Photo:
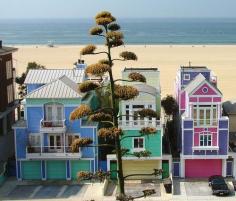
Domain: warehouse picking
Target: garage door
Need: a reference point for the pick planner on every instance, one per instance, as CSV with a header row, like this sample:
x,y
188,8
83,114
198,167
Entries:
x,y
140,167
31,169
202,168
56,170
81,165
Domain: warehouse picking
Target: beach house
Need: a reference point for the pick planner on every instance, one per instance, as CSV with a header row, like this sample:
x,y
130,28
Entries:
x,y
8,104
43,138
204,132
149,97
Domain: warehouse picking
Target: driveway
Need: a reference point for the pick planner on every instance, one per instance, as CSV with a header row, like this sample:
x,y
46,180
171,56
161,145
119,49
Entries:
x,y
24,192
135,189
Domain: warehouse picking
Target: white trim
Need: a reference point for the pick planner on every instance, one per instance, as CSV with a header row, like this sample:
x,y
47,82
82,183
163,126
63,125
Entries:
x,y
209,85
184,76
139,148
204,156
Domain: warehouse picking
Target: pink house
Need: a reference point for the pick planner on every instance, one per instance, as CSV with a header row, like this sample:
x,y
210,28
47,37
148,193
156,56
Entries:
x,y
204,131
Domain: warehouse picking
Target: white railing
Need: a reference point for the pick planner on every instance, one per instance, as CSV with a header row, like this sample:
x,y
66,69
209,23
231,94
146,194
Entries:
x,y
55,123
211,148
51,152
140,123
53,126
205,122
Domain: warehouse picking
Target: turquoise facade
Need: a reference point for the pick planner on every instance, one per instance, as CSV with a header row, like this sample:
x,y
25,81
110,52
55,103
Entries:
x,y
152,142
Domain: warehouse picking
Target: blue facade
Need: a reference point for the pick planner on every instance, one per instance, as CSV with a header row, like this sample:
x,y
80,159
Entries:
x,y
42,154
192,74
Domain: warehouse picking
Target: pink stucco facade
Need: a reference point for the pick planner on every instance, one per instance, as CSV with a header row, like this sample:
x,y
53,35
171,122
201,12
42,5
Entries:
x,y
210,90
197,132
194,167
183,100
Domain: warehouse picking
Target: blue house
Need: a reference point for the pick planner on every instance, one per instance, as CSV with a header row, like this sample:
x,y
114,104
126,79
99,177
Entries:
x,y
43,138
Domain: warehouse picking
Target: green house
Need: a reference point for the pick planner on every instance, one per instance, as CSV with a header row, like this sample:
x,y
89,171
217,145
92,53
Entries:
x,y
149,97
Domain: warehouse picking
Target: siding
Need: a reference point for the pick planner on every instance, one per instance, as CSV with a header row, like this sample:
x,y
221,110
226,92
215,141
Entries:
x,y
152,142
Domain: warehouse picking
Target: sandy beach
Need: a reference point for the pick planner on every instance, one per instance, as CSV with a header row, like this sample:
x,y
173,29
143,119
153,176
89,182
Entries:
x,y
220,58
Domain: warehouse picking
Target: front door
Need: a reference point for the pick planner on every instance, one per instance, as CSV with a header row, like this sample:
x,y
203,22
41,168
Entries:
x,y
55,142
54,113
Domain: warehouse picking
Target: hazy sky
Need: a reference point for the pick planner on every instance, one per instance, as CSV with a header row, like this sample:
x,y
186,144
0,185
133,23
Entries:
x,y
119,8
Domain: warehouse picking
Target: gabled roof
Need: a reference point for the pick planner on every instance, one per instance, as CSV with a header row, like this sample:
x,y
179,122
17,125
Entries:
x,y
146,88
44,76
62,87
198,81
194,83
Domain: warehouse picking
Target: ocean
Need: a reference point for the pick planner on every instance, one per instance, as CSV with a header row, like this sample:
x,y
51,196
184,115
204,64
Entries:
x,y
136,31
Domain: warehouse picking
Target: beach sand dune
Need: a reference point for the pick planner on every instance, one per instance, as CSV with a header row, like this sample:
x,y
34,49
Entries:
x,y
220,58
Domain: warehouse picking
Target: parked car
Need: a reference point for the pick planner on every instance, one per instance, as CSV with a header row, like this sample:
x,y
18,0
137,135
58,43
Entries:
x,y
234,184
219,186
214,177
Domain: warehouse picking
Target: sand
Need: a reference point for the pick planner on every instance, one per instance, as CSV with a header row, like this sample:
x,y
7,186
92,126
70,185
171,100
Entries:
x,y
168,58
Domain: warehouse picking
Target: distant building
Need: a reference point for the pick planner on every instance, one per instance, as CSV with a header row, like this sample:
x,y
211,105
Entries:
x,y
149,97
8,104
203,137
43,139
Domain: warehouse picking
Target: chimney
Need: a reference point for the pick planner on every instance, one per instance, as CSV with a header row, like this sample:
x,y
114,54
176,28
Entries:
x,y
0,44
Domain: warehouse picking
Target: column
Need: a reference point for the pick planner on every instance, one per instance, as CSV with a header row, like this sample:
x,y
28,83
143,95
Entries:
x,y
224,167
182,168
41,143
64,138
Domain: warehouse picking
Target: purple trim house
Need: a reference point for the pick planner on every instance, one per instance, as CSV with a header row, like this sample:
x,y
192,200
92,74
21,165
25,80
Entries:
x,y
204,131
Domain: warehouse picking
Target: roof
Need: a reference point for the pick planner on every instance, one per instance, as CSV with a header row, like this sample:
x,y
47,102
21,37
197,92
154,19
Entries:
x,y
230,107
195,83
146,88
140,69
5,50
199,79
194,68
44,76
62,87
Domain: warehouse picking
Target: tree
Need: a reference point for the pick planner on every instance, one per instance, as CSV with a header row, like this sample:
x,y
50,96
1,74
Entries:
x,y
21,79
170,105
107,28
171,125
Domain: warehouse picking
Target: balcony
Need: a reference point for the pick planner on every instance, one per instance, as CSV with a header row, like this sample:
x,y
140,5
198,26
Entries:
x,y
205,122
137,124
205,148
58,126
49,152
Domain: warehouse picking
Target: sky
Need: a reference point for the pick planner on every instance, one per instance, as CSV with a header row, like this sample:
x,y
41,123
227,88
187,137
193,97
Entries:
x,y
120,8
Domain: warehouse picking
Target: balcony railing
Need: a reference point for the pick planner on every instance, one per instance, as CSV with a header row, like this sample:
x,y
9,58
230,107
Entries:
x,y
134,124
205,148
52,126
205,122
51,152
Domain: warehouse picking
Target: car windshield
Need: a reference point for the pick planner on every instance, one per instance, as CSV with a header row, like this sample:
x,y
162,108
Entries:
x,y
218,181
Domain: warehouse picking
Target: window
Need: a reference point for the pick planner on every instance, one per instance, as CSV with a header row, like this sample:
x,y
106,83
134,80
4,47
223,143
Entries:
x,y
138,143
205,139
34,139
9,69
10,93
186,76
204,115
